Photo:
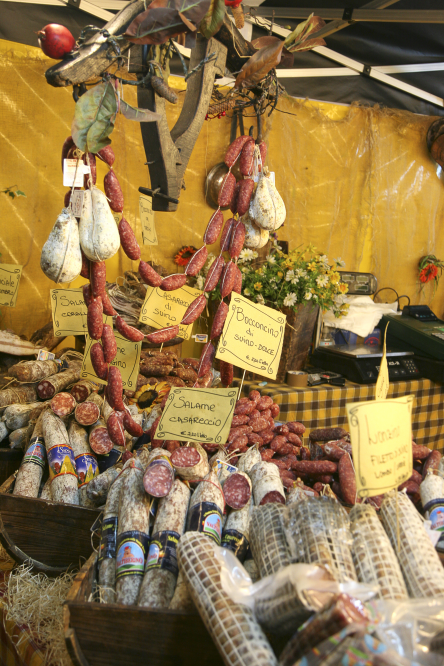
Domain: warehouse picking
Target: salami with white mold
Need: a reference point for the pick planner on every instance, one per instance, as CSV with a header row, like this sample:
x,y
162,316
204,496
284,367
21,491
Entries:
x,y
237,490
30,474
98,488
267,484
108,542
63,404
206,508
86,462
190,462
47,388
158,478
236,532
62,467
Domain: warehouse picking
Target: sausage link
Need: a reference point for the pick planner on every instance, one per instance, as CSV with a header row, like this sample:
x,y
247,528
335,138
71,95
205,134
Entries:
x,y
149,275
254,395
94,318
432,462
264,403
187,374
226,374
214,274
420,452
296,427
128,332
85,263
108,343
263,151
86,290
113,191
115,389
155,369
98,360
226,191
246,158
225,238
194,310
237,432
163,334
235,149
128,241
279,430
227,280
244,408
206,381
107,155
239,444
237,284
237,240
274,409
172,282
246,188
131,425
206,359
326,434
315,467
107,307
239,420
197,261
233,204
219,320
411,486
347,479
333,452
115,429
258,424
97,277
213,228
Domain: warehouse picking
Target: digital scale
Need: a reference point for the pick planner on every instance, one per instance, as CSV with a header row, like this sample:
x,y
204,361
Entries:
x,y
361,363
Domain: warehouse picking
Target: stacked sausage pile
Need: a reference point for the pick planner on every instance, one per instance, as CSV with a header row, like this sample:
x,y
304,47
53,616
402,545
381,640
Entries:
x,y
165,366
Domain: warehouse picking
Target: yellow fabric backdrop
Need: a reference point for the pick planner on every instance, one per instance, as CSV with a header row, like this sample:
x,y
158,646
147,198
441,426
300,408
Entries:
x,y
357,182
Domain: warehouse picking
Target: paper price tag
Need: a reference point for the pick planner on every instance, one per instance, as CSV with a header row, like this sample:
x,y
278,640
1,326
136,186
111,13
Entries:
x,y
381,437
127,360
45,355
10,275
149,235
77,202
71,170
201,337
167,308
197,415
252,337
69,312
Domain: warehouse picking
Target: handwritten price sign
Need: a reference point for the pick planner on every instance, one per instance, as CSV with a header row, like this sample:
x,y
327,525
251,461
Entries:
x,y
10,275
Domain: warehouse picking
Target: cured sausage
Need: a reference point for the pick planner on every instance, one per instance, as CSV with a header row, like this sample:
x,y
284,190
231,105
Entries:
x,y
63,404
107,155
191,462
128,241
258,424
244,408
128,332
214,274
347,479
237,432
295,427
97,489
263,152
207,507
235,149
227,279
81,390
206,359
161,571
115,389
267,538
107,307
86,462
326,434
194,310
98,361
246,188
163,334
226,191
197,261
149,275
109,343
97,278
315,467
62,467
219,320
99,439
18,416
172,282
420,452
213,228
226,373
233,204
158,478
431,462
237,239
87,413
131,426
132,536
187,374
237,284
247,158
108,538
33,371
113,191
267,484
30,474
237,490
236,531
47,388
115,429
265,402
94,318
225,238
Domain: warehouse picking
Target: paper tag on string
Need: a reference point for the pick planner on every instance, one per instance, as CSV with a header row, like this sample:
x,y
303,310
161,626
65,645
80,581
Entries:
x,y
381,438
382,383
69,171
69,312
10,275
201,337
149,235
77,202
167,308
45,355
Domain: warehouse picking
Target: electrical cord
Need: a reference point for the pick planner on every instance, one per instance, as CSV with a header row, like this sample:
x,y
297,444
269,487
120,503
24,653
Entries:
x,y
398,298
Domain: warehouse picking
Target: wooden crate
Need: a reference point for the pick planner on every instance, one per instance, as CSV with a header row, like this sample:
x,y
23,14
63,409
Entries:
x,y
10,460
112,634
53,537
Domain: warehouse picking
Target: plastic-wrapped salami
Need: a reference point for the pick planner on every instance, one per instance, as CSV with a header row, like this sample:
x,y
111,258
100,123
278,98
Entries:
x,y
132,536
267,484
233,628
62,466
190,462
158,477
161,571
29,476
267,539
236,532
47,388
86,462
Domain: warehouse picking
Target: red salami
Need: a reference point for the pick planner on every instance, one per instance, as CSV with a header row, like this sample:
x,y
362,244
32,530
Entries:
x,y
115,429
158,478
219,320
272,497
128,240
99,440
237,490
243,198
81,390
206,359
194,310
214,227
185,457
237,239
128,332
63,404
227,280
115,389
197,261
97,278
107,307
235,148
131,426
113,191
163,334
149,275
109,343
94,318
246,158
214,274
172,282
87,413
225,239
98,361
226,373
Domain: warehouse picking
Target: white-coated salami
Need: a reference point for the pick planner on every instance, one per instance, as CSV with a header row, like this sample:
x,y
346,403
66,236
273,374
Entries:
x,y
18,416
160,577
249,459
158,478
46,491
29,476
62,467
237,490
267,484
236,532
86,462
191,462
98,488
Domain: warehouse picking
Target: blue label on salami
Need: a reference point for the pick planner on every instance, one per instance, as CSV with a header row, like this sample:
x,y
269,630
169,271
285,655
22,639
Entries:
x,y
107,549
86,468
236,542
61,461
206,517
162,553
132,548
108,459
36,452
434,511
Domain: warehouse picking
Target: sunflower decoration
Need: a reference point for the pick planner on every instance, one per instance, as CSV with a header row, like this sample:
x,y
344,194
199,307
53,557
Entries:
x,y
149,395
184,255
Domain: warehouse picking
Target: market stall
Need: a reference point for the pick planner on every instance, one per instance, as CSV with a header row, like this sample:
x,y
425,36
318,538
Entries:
x,y
184,502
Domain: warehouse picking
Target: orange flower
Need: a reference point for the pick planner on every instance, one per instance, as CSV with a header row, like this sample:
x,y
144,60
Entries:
x,y
184,255
428,273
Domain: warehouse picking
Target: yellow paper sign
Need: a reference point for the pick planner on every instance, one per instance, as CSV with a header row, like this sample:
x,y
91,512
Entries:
x,y
252,337
127,360
197,415
10,275
167,308
382,383
149,235
69,312
381,437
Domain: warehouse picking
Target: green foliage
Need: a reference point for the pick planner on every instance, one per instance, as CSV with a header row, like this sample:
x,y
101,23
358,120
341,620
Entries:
x,y
11,192
94,118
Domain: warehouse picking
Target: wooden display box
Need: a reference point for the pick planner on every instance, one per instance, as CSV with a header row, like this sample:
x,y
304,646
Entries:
x,y
52,537
113,634
10,460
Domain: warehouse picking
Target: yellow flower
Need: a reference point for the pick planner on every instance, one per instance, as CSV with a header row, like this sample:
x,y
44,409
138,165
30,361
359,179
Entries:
x,y
259,271
288,263
280,274
343,288
311,266
258,286
334,277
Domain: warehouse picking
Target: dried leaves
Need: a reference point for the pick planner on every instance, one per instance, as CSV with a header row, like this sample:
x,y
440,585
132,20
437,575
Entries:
x,y
298,39
166,18
260,63
213,19
94,118
140,115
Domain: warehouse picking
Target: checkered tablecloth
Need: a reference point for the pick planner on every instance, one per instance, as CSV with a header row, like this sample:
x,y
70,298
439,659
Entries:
x,y
324,406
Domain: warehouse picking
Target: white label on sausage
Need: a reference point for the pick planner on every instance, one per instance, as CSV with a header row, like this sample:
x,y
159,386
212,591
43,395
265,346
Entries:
x,y
70,169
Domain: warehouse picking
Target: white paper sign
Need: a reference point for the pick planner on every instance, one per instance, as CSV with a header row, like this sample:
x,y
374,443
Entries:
x,y
71,170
